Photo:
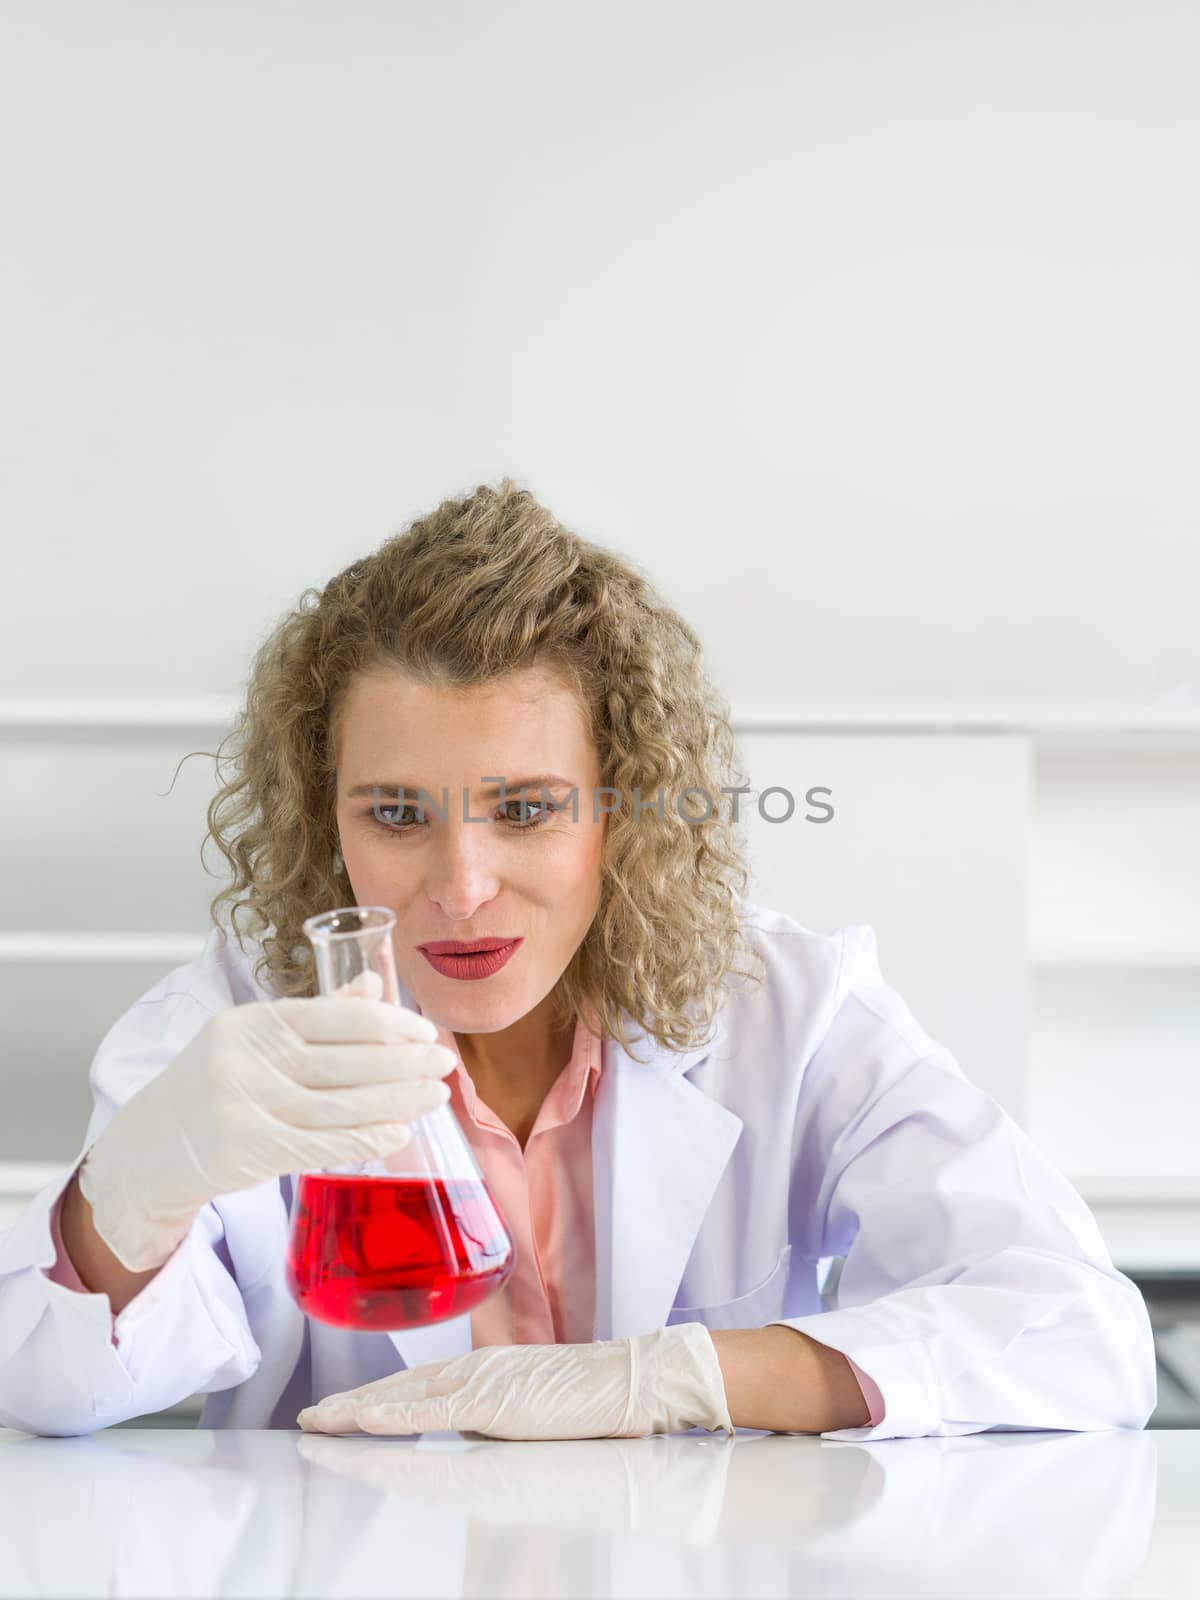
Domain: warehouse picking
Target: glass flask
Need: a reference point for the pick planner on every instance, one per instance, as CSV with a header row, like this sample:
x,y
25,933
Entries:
x,y
405,1239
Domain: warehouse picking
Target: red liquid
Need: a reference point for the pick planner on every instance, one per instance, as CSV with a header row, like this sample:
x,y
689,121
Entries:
x,y
379,1253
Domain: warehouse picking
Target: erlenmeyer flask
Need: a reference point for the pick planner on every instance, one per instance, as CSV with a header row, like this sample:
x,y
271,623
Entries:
x,y
409,1238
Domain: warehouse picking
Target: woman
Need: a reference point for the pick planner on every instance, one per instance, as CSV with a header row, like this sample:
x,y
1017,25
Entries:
x,y
685,1104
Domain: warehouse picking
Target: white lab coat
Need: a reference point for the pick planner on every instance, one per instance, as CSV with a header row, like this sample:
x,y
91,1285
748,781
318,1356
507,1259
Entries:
x,y
820,1123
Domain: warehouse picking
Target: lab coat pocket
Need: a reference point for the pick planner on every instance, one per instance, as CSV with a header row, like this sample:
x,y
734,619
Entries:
x,y
751,1310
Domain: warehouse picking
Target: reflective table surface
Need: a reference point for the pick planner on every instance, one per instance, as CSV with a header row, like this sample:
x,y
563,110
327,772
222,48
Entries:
x,y
165,1512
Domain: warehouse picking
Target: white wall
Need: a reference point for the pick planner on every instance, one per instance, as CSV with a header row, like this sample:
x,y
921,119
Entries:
x,y
871,329
928,845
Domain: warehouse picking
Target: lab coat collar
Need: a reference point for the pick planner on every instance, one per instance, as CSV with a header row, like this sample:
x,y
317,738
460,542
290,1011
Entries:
x,y
659,1147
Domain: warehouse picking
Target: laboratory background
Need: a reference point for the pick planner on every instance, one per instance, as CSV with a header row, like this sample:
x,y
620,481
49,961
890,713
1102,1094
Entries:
x,y
870,331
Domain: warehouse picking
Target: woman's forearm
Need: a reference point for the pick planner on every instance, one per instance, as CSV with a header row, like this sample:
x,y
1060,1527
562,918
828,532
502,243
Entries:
x,y
95,1263
778,1378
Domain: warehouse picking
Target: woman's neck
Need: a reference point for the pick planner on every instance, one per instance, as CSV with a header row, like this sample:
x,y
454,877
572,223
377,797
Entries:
x,y
521,1060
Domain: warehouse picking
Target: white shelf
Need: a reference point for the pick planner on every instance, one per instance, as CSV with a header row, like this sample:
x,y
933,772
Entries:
x,y
21,1180
1150,1238
1082,958
1142,1189
169,947
130,711
1169,716
1037,718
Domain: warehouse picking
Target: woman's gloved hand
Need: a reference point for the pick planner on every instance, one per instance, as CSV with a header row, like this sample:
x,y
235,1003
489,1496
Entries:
x,y
661,1382
266,1088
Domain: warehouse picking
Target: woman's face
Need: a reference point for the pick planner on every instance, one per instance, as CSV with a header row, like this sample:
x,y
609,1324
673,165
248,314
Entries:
x,y
523,872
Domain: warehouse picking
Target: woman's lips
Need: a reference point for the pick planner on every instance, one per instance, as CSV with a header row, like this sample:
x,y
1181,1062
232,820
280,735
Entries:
x,y
478,961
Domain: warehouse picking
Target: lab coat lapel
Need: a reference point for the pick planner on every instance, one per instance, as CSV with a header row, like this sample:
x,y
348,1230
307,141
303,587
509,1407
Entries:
x,y
659,1147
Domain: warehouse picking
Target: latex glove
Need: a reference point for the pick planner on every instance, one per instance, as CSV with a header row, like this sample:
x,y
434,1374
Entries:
x,y
661,1382
266,1088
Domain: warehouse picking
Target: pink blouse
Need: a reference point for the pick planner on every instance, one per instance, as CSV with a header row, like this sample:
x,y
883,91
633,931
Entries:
x,y
545,1194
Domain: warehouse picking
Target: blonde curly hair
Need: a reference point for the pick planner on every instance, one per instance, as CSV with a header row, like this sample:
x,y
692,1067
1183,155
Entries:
x,y
482,587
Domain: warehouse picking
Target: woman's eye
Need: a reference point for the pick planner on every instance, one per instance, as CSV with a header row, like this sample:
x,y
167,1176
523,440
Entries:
x,y
529,815
524,820
381,813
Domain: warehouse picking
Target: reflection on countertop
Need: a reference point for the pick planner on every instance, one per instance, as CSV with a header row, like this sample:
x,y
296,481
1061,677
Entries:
x,y
270,1512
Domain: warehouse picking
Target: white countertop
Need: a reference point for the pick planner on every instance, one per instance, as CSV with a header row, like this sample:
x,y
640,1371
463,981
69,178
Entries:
x,y
166,1512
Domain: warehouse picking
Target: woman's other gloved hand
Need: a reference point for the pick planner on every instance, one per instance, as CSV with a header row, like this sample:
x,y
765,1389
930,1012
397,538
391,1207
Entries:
x,y
662,1382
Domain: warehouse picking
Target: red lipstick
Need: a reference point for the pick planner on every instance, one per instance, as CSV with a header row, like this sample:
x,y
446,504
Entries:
x,y
469,958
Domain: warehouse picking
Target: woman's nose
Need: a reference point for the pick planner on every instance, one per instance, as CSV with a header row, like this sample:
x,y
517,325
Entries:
x,y
460,873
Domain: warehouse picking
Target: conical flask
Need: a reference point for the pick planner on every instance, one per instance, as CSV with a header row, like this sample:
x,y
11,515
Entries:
x,y
409,1238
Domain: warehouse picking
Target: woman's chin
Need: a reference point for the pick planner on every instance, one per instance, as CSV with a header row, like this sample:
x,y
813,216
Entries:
x,y
462,1013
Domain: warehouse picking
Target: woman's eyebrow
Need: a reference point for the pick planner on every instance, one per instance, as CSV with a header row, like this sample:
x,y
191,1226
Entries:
x,y
543,780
